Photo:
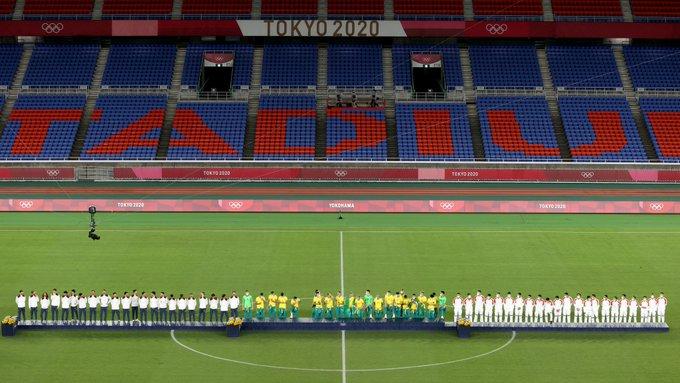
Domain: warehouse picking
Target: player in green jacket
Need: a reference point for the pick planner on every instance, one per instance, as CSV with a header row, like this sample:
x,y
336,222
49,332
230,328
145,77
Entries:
x,y
441,309
247,306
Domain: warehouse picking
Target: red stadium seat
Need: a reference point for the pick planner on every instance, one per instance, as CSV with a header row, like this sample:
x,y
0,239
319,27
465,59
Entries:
x,y
136,7
289,7
655,8
6,7
585,8
356,7
429,7
61,7
216,7
508,7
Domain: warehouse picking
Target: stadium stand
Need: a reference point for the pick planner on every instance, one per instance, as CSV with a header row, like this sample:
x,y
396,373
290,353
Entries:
x,y
42,127
442,9
517,128
494,8
125,127
583,66
586,9
356,134
243,63
68,8
10,55
401,64
433,131
286,127
208,131
62,65
140,65
601,129
655,9
649,66
662,116
289,65
505,66
216,8
370,8
137,9
355,65
290,7
6,9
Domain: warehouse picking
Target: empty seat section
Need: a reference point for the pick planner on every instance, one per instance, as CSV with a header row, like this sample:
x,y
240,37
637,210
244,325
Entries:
x,y
650,67
6,8
140,65
662,116
655,9
286,127
401,64
10,55
434,9
356,7
517,128
61,65
290,7
583,66
566,9
505,66
205,131
42,127
356,134
217,7
433,132
289,65
508,8
61,7
243,63
158,8
601,129
125,127
355,65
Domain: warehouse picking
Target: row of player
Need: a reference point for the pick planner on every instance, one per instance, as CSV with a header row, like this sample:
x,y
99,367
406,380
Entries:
x,y
166,308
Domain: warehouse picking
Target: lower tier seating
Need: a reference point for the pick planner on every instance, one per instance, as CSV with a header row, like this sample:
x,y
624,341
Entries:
x,y
356,134
662,116
286,127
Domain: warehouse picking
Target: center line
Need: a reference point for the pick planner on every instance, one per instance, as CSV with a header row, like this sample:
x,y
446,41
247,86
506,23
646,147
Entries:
x,y
342,290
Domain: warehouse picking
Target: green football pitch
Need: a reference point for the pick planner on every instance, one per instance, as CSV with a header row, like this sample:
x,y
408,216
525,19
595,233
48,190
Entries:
x,y
298,253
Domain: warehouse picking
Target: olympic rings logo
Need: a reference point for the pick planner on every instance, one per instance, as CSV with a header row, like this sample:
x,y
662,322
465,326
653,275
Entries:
x,y
587,175
25,204
52,27
656,206
235,204
446,205
340,173
496,29
52,172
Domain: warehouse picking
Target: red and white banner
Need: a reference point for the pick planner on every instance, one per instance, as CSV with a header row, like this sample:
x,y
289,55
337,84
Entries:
x,y
37,174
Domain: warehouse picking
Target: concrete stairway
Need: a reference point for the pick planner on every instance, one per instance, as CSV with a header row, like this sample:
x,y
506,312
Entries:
x,y
389,9
390,107
19,10
321,101
551,98
471,103
16,85
322,10
92,96
253,103
256,13
627,11
173,98
177,9
547,11
97,9
633,104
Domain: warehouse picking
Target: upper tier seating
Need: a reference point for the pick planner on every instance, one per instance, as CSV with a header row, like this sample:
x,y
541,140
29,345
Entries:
x,y
650,66
356,134
10,55
601,129
135,8
517,128
441,9
6,9
662,117
290,7
218,8
42,127
491,8
586,9
433,132
355,65
206,131
356,7
125,127
289,65
401,64
583,66
505,66
655,9
60,7
140,65
243,63
62,65
286,127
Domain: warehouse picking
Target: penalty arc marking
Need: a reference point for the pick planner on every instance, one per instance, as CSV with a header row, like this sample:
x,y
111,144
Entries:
x,y
235,361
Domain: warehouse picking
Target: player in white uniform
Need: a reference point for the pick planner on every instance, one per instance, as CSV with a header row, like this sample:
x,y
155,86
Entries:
x,y
557,308
548,308
498,308
595,308
538,310
615,310
632,309
661,304
652,308
578,309
588,309
529,309
488,308
479,306
457,307
567,303
468,307
623,309
519,308
508,308
644,310
606,308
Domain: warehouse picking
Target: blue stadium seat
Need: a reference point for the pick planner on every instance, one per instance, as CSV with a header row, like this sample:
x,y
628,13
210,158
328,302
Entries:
x,y
650,66
401,64
662,116
583,66
243,63
61,65
10,55
140,65
356,134
289,65
505,66
355,65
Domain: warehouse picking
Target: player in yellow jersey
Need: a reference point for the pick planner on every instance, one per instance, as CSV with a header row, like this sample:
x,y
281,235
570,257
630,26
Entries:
x,y
378,307
272,300
422,302
295,308
389,305
283,306
328,303
414,306
398,300
317,305
339,306
431,307
360,307
259,306
351,306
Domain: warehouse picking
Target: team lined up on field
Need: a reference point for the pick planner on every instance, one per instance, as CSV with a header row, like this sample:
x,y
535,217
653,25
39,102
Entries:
x,y
70,307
